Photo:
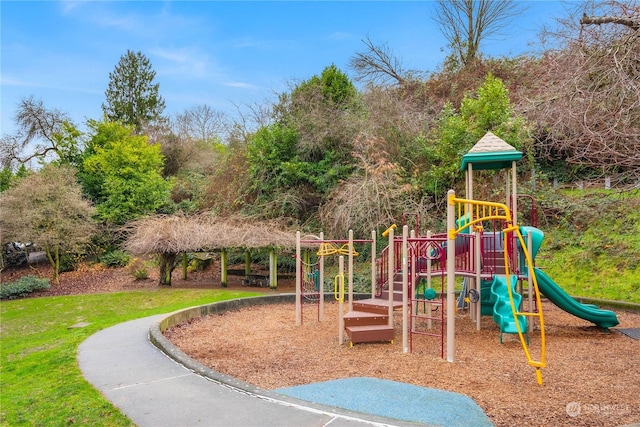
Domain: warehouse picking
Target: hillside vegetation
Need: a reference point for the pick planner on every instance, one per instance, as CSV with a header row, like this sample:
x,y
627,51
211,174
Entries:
x,y
592,243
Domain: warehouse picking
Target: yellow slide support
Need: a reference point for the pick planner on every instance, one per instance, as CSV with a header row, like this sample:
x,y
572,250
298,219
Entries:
x,y
479,211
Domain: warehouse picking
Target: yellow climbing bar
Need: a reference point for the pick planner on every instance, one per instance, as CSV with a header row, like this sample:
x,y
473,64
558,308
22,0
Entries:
x,y
331,249
473,213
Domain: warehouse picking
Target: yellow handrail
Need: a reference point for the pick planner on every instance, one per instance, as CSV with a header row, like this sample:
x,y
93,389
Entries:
x,y
480,211
338,287
386,232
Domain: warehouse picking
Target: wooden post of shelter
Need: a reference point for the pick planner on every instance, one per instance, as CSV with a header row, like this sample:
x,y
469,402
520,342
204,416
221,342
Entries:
x,y
273,268
223,267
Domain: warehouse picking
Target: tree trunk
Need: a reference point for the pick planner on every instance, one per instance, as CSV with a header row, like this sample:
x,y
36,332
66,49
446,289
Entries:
x,y
167,264
54,260
185,264
247,267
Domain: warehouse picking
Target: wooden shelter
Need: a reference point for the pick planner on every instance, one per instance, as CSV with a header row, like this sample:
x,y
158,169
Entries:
x,y
171,235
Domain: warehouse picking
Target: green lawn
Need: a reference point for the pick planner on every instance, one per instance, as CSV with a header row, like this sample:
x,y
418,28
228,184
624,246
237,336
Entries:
x,y
40,381
597,253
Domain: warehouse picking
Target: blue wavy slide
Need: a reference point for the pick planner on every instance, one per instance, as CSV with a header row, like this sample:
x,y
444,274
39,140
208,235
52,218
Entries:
x,y
603,318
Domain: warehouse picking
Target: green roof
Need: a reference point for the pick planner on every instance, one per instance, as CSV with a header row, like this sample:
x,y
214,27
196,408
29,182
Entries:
x,y
491,153
491,161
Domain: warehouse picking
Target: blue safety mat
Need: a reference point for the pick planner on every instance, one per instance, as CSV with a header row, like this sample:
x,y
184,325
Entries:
x,y
393,399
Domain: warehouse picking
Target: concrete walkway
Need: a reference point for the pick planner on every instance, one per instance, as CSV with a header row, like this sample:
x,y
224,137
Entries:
x,y
153,390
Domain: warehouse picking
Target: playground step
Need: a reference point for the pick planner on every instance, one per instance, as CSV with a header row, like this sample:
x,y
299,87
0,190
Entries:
x,y
493,261
375,305
397,295
365,318
372,333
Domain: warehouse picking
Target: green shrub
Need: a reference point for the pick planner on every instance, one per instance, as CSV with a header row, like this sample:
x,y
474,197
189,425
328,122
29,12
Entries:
x,y
139,269
70,261
115,258
140,273
23,287
197,264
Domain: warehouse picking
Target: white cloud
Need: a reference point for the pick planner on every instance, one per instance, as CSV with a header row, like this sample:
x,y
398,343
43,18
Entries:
x,y
185,61
242,85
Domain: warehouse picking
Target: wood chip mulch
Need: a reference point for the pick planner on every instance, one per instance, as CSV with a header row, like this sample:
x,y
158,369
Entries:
x,y
592,377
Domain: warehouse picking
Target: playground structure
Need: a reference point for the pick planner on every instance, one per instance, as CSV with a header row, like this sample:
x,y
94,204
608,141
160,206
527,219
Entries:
x,y
484,245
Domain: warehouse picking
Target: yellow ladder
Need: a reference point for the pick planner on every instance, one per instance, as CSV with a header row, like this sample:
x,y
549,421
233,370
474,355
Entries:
x,y
474,213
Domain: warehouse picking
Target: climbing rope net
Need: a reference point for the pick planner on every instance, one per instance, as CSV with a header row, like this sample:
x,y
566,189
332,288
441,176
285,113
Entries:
x,y
310,281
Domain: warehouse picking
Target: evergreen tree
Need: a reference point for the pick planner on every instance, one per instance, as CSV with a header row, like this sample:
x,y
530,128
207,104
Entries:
x,y
132,96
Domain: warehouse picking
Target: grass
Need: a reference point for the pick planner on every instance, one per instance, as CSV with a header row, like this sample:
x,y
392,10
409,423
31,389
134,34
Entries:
x,y
39,375
595,251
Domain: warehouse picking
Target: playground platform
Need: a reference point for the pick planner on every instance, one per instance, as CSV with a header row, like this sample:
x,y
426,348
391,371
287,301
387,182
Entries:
x,y
154,390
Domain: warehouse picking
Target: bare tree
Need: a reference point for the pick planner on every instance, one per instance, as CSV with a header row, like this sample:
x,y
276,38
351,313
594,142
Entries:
x,y
201,123
629,16
592,114
42,129
377,64
466,23
374,197
249,118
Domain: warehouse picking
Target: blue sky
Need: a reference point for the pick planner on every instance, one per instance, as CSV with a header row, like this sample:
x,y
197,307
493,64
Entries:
x,y
212,52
